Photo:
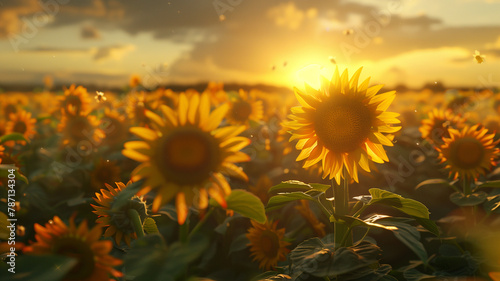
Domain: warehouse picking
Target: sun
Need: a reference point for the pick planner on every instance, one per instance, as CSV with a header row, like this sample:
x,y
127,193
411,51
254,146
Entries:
x,y
342,124
184,155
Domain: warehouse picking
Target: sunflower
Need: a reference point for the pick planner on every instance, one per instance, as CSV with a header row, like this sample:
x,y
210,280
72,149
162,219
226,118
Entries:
x,y
343,125
244,109
184,155
104,172
2,149
22,123
267,244
75,101
78,128
137,104
469,153
435,128
135,80
216,92
166,97
118,223
8,107
79,242
114,127
261,188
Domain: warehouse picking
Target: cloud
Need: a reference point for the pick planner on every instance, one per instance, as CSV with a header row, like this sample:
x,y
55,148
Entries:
x,y
115,52
99,54
89,32
12,13
288,15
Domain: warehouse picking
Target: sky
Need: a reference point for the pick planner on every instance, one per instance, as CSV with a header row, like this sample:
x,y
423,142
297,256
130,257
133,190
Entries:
x,y
275,42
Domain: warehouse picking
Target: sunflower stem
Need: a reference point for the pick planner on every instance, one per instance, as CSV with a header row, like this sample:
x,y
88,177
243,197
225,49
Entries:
x,y
341,202
184,231
200,224
134,216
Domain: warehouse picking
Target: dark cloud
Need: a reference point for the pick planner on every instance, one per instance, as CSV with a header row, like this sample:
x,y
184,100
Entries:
x,y
89,32
98,53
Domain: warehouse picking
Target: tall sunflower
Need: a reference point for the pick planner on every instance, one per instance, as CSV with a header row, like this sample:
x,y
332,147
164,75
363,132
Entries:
x,y
79,127
185,155
75,100
118,223
244,108
435,128
267,244
93,260
469,153
21,122
343,124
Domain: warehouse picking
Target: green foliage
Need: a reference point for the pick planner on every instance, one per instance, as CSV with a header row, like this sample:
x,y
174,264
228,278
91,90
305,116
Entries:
x,y
472,199
245,204
149,226
151,259
408,206
38,268
4,172
12,137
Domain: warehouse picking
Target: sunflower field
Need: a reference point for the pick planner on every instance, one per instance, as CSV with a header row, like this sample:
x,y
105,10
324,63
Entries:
x,y
345,181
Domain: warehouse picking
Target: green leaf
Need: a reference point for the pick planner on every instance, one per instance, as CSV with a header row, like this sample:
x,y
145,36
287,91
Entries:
x,y
13,137
492,203
415,275
322,260
408,206
38,268
279,200
428,224
239,243
434,183
492,184
149,226
245,204
126,194
407,234
294,185
271,276
4,172
472,199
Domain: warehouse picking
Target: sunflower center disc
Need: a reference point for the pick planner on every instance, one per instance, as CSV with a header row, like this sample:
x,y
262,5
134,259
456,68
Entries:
x,y
241,110
270,243
342,124
189,156
79,250
20,127
467,153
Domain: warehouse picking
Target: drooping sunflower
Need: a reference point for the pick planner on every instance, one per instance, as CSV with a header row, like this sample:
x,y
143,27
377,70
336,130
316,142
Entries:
x,y
93,260
77,128
244,108
118,223
185,155
21,122
267,244
343,124
75,101
435,128
469,153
